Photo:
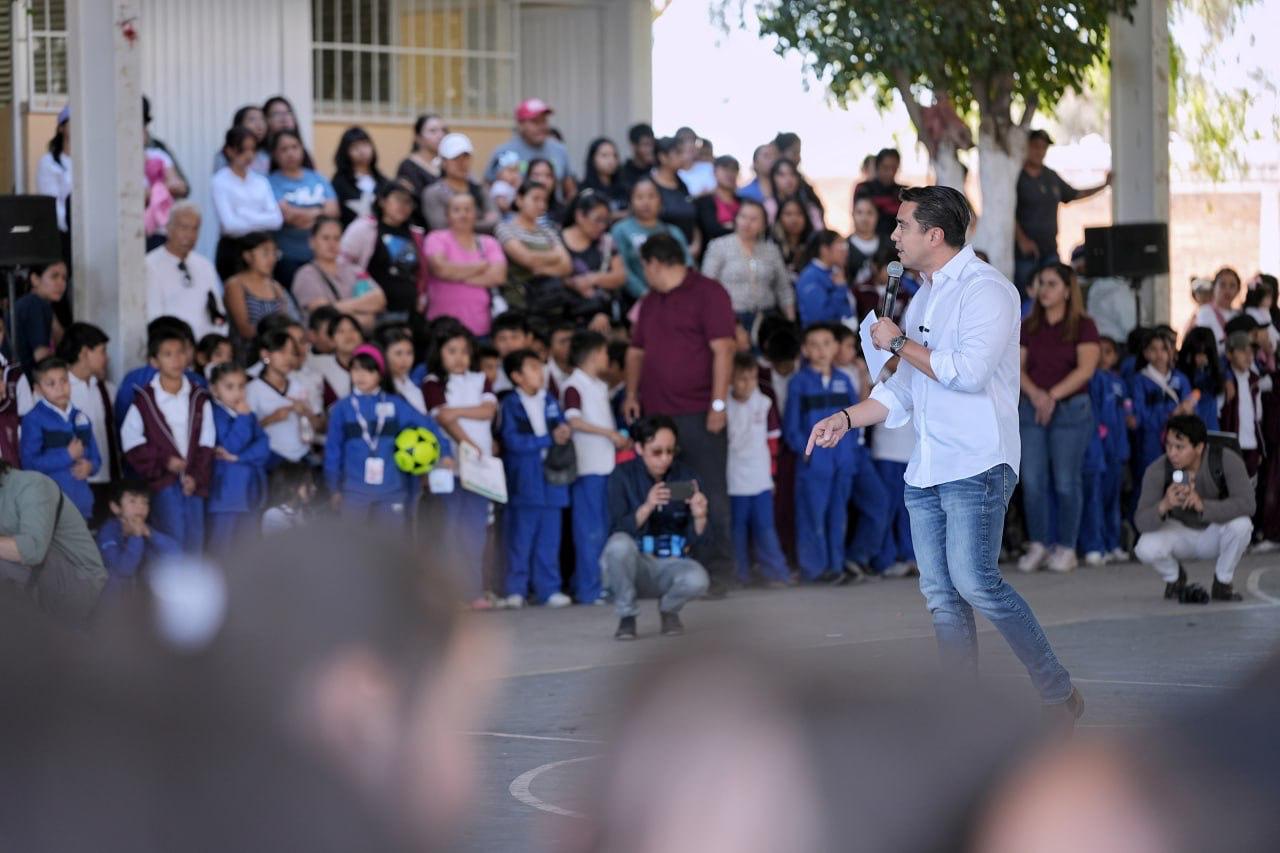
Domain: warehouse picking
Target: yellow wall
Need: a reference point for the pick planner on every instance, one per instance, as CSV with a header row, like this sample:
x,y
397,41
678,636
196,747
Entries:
x,y
393,140
40,129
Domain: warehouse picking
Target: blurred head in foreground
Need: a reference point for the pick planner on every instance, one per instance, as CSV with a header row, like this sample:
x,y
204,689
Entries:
x,y
350,645
734,751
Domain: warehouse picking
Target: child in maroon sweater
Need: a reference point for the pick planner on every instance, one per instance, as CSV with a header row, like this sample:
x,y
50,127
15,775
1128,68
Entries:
x,y
168,438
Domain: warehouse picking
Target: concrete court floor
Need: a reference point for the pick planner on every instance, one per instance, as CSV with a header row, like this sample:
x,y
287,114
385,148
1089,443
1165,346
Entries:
x,y
1134,655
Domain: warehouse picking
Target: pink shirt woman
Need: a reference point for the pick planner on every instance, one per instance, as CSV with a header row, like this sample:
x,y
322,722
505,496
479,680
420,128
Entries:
x,y
462,267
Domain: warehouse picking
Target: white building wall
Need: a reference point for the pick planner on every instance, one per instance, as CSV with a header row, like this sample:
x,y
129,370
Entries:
x,y
202,60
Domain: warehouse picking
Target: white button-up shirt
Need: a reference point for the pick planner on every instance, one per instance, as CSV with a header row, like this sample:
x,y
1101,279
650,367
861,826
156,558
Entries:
x,y
966,422
172,292
86,397
176,411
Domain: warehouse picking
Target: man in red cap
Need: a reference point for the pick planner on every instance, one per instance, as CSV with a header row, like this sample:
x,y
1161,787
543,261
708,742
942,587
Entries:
x,y
533,141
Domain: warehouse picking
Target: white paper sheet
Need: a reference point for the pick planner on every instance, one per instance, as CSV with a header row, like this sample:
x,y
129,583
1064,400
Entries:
x,y
876,359
483,475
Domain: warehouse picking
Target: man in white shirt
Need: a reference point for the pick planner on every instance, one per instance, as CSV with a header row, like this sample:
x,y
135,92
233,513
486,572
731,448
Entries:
x,y
180,282
957,383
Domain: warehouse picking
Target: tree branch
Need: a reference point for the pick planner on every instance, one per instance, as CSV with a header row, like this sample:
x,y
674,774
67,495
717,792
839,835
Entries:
x,y
903,83
1029,112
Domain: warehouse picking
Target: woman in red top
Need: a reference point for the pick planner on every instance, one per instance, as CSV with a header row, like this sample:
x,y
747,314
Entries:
x,y
1060,352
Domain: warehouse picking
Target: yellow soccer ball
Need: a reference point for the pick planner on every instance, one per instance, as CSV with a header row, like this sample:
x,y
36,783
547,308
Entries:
x,y
417,451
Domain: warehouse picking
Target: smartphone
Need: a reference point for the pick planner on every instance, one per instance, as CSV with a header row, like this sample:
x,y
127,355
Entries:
x,y
681,490
1179,477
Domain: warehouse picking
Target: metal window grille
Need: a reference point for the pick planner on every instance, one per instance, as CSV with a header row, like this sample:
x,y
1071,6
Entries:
x,y
394,59
47,35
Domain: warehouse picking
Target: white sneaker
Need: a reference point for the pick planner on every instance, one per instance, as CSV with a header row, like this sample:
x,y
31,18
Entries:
x,y
1095,558
513,602
897,570
1062,559
1119,555
558,599
1033,559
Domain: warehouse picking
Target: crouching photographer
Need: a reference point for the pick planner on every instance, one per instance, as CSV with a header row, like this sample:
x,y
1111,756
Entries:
x,y
657,514
1196,504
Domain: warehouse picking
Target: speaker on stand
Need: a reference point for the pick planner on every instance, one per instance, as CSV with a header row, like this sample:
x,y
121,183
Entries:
x,y
28,237
1133,251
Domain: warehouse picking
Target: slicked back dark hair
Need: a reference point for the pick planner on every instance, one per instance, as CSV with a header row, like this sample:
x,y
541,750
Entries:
x,y
941,207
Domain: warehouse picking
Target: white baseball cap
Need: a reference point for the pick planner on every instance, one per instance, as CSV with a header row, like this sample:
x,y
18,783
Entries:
x,y
455,145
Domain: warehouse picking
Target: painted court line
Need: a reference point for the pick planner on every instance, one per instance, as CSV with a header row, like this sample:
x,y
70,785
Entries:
x,y
520,787
547,738
1255,585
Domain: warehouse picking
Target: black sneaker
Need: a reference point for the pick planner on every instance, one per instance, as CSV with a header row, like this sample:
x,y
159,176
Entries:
x,y
1174,588
671,625
626,628
1224,592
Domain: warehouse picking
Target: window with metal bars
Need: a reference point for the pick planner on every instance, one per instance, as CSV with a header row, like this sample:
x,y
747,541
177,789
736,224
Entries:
x,y
394,59
48,40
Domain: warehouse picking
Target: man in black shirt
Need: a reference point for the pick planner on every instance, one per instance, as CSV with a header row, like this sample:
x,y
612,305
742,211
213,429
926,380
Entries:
x,y
883,189
1040,191
653,527
641,162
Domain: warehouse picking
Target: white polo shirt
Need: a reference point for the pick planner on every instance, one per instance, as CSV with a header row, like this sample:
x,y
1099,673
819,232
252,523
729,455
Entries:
x,y
751,424
588,398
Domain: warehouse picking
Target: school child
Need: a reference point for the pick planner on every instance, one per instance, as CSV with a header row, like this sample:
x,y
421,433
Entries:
x,y
489,362
335,368
57,438
615,376
511,333
559,360
823,481
240,461
780,362
318,329
211,350
1105,459
397,344
168,437
1242,410
1158,392
462,402
596,441
139,377
127,540
359,454
891,450
754,432
16,400
1198,360
293,487
532,422
84,349
869,499
278,402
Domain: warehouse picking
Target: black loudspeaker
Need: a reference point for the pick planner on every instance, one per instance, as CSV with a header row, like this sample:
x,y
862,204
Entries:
x,y
1135,250
28,231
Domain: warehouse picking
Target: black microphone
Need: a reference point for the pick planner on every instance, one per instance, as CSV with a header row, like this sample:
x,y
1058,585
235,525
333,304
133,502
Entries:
x,y
891,289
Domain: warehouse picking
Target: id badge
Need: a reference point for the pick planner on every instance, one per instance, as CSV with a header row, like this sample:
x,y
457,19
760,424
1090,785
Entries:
x,y
374,468
385,410
440,481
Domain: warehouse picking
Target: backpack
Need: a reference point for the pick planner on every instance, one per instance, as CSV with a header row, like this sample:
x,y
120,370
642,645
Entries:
x,y
1218,444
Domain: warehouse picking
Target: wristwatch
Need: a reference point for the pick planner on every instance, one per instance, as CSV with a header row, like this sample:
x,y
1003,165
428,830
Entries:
x,y
717,406
897,343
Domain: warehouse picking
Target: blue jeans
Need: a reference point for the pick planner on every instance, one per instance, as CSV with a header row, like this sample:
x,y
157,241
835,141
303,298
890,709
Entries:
x,y
753,525
956,529
1053,457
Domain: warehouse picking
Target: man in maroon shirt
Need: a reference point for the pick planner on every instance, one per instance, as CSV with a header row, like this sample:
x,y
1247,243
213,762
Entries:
x,y
679,364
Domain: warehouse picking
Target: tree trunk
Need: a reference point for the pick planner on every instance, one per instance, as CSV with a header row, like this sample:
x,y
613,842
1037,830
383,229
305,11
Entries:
x,y
1000,156
947,171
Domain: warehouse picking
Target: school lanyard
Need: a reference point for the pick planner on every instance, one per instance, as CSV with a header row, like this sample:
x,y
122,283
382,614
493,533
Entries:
x,y
370,440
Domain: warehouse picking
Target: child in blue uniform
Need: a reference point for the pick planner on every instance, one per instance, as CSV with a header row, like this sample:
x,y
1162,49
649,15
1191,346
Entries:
x,y
531,422
1198,360
1105,459
126,540
359,452
57,438
1158,392
823,481
239,464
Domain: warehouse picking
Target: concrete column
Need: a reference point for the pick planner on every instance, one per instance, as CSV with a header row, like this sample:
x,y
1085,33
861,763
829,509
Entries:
x,y
1140,131
107,197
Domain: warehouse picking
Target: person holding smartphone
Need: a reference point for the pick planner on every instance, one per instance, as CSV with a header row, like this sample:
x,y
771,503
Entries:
x,y
657,514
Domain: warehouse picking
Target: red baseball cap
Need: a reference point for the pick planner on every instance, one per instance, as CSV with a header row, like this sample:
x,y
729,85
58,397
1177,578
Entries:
x,y
532,108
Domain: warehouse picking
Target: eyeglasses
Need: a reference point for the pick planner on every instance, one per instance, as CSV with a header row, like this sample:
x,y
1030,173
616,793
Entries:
x,y
186,274
660,451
